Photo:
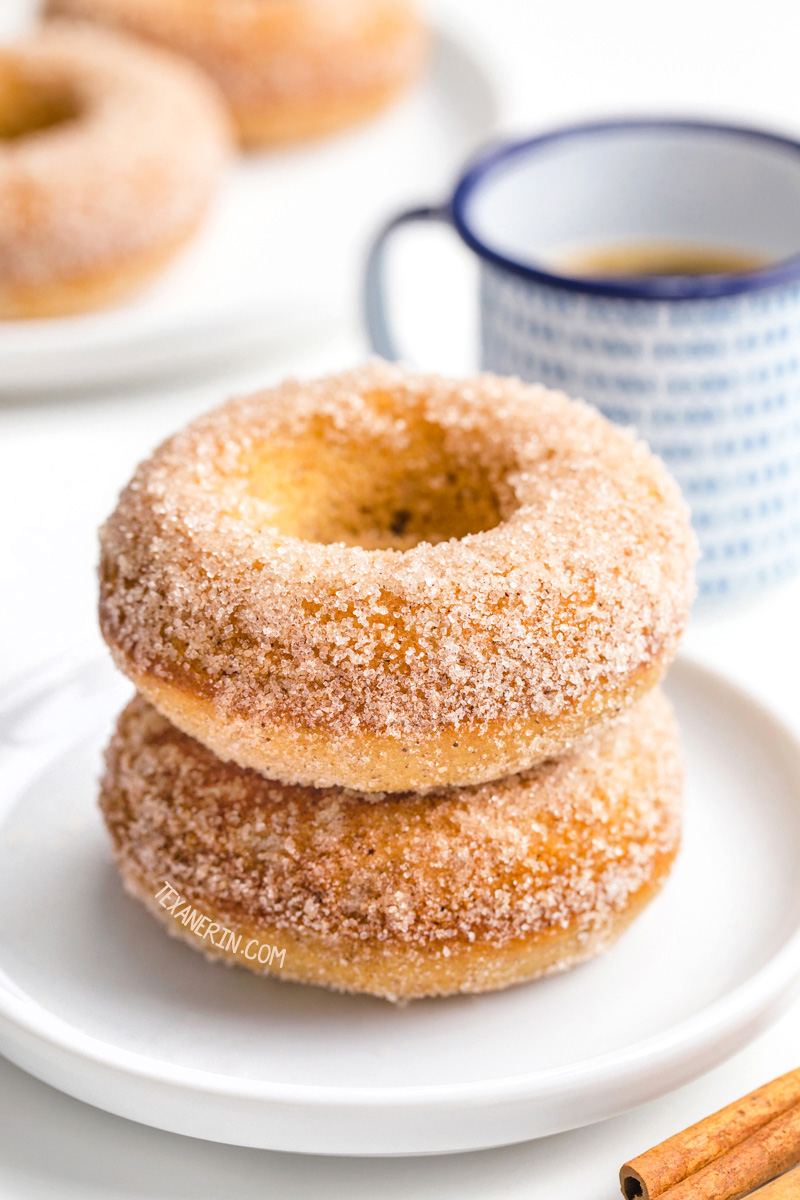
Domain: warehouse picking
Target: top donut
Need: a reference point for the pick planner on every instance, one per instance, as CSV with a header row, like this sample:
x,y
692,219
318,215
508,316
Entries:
x,y
387,581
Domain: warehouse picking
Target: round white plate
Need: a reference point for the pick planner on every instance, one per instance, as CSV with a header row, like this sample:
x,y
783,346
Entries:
x,y
96,999
281,254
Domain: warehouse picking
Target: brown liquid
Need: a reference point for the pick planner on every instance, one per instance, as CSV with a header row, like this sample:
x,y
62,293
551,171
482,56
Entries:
x,y
635,259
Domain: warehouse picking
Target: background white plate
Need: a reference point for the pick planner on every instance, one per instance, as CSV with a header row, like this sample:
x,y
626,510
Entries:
x,y
96,1000
281,255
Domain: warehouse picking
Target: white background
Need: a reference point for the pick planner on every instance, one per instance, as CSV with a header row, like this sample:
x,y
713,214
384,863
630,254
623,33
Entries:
x,y
62,461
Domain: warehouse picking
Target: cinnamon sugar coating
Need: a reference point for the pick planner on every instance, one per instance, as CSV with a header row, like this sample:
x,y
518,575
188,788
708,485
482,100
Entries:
x,y
108,151
391,894
328,579
287,68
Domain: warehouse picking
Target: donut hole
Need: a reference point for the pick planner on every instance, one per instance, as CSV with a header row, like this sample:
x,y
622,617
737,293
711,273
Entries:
x,y
29,105
386,491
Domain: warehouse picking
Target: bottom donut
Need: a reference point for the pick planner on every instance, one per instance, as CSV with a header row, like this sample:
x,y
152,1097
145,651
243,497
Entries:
x,y
461,890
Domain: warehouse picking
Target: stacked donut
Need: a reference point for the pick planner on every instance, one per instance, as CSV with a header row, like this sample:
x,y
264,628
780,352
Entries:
x,y
396,641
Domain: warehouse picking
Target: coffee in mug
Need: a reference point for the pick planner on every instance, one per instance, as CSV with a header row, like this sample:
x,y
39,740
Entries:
x,y
635,260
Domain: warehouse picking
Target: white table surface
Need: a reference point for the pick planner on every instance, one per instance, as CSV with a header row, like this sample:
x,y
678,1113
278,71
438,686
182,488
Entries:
x,y
63,459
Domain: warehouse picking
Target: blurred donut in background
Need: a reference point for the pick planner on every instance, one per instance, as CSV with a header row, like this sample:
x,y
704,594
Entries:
x,y
110,154
289,69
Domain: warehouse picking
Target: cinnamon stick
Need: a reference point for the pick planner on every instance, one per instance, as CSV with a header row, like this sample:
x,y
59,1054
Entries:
x,y
787,1187
689,1153
768,1152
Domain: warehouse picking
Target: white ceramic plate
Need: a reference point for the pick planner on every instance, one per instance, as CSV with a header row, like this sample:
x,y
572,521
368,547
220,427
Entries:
x,y
95,999
281,255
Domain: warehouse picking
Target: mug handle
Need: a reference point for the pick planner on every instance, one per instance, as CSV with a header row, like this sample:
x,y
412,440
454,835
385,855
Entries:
x,y
374,295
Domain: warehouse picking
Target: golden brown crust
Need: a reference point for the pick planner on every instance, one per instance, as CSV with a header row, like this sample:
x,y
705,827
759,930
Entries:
x,y
407,972
289,69
387,581
460,890
110,154
377,761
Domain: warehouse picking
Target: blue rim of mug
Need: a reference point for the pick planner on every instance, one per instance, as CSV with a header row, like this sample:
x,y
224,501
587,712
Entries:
x,y
674,287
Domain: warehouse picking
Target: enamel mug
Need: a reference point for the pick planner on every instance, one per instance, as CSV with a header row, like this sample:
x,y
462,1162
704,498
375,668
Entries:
x,y
706,367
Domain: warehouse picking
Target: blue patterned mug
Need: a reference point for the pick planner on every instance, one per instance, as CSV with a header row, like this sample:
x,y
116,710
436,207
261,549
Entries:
x,y
705,366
